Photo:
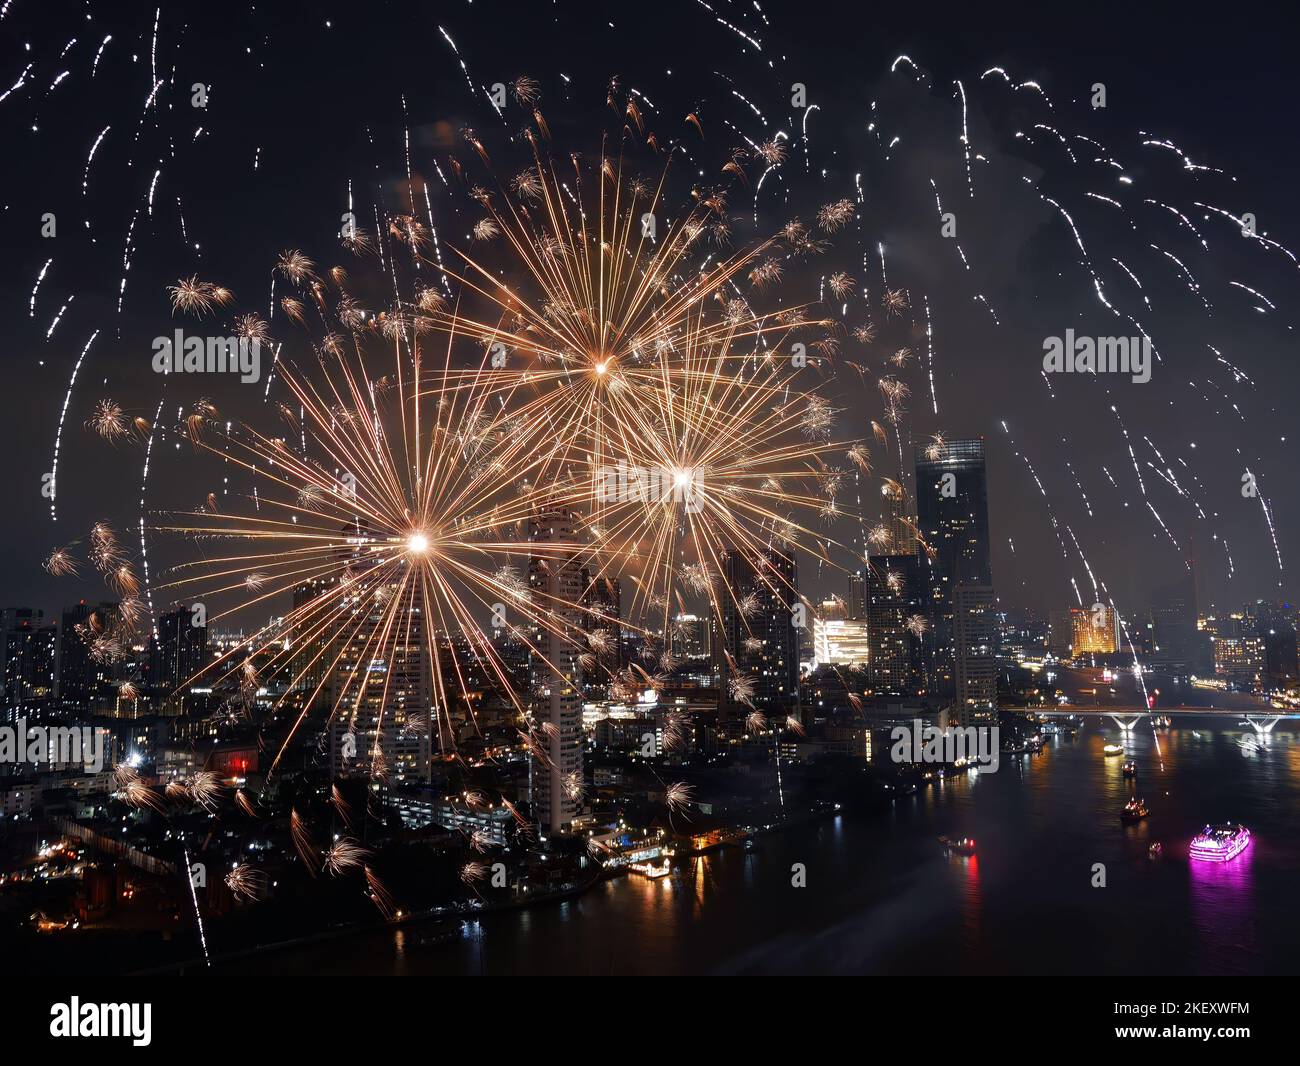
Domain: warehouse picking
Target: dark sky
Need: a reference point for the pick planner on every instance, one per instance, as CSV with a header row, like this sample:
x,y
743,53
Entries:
x,y
306,97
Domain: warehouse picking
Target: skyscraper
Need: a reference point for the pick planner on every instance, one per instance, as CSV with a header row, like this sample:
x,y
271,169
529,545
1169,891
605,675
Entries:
x,y
759,640
974,660
952,516
1178,647
177,651
857,601
602,602
84,684
555,785
28,655
897,624
368,652
1094,630
1275,626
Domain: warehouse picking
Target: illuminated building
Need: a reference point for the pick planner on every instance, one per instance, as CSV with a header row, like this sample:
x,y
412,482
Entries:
x,y
952,516
896,642
975,639
555,791
1094,630
1240,661
28,656
839,641
762,643
83,685
178,650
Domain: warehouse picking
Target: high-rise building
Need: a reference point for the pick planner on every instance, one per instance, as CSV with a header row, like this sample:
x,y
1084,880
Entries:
x,y
838,640
1060,633
556,784
84,681
178,650
313,644
975,646
897,625
857,601
691,635
375,670
602,606
28,657
1094,630
1275,625
952,517
758,642
1239,660
1178,646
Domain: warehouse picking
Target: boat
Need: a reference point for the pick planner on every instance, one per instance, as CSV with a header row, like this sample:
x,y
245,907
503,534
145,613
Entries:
x,y
440,934
1219,843
1163,721
1130,768
1113,749
1155,850
962,846
1134,811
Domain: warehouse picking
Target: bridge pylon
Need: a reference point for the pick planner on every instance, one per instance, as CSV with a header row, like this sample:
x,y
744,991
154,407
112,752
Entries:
x,y
1126,722
1263,723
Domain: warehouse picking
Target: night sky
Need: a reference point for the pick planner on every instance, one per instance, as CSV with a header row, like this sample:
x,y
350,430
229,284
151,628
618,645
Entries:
x,y
305,98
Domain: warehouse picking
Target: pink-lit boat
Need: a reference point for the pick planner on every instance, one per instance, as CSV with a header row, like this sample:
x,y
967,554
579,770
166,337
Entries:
x,y
1219,843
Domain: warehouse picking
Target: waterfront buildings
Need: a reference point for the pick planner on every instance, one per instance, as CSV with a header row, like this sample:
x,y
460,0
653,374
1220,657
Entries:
x,y
554,579
952,517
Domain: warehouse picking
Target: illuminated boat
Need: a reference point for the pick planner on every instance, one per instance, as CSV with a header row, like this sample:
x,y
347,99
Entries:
x,y
1113,749
963,846
1219,843
1163,721
1155,850
1134,811
1130,768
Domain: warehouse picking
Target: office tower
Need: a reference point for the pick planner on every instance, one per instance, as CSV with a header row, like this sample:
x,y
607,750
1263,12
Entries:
x,y
177,651
1275,626
1239,660
313,644
1060,633
691,637
840,642
602,601
376,671
602,604
1177,644
952,517
84,682
758,643
555,584
975,666
856,604
1094,630
897,624
28,657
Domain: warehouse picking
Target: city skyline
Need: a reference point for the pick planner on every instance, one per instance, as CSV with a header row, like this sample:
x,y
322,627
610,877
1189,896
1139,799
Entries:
x,y
739,488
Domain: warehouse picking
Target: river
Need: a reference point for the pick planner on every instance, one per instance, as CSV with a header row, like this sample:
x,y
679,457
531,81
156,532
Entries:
x,y
882,897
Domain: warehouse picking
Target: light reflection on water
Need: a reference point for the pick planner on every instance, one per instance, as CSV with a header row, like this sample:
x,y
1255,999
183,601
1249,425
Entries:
x,y
882,898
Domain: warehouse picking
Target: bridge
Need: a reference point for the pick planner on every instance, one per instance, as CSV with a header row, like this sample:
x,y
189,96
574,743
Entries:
x,y
1128,717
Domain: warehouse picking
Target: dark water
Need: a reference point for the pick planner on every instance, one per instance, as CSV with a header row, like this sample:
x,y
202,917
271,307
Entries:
x,y
882,898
